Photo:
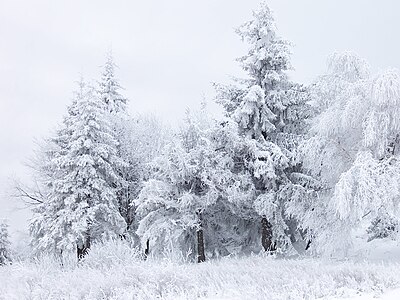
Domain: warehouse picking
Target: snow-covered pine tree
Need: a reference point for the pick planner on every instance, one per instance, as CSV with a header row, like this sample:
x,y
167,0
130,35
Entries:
x,y
115,105
230,229
270,111
353,150
109,88
46,171
82,204
5,250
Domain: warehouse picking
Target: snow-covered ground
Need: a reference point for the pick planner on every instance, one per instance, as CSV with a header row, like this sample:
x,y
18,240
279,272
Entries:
x,y
389,295
115,272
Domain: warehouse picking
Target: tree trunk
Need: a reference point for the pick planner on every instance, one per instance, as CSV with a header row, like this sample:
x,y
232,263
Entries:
x,y
82,250
266,235
200,246
200,242
308,245
147,249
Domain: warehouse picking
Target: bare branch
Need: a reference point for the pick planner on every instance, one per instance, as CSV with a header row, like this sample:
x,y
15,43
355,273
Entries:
x,y
29,197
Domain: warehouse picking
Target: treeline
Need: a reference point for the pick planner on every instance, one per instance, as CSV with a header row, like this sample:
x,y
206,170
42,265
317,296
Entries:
x,y
288,168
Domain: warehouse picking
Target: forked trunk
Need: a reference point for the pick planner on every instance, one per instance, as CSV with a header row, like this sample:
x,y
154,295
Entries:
x,y
82,250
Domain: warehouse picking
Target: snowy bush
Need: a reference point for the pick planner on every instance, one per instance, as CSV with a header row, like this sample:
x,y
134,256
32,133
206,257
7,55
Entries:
x,y
110,253
383,226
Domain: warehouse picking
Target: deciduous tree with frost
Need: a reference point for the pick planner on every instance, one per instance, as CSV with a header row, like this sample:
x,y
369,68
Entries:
x,y
353,150
173,201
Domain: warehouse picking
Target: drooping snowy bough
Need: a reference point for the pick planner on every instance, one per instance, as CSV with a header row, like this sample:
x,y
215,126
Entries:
x,y
353,150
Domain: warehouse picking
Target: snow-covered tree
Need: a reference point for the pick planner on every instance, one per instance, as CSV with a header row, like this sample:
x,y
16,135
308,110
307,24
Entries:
x,y
109,88
202,189
142,138
270,111
5,250
353,151
82,205
115,105
46,171
172,203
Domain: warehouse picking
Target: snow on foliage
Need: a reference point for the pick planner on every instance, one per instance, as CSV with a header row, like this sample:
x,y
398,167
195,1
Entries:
x,y
270,111
288,167
180,190
108,90
141,139
5,245
81,205
352,150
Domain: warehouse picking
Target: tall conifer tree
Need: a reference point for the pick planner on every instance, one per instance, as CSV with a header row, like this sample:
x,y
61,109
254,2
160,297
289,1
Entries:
x,y
270,111
82,205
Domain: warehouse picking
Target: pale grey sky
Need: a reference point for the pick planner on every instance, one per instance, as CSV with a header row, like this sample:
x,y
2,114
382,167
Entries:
x,y
168,53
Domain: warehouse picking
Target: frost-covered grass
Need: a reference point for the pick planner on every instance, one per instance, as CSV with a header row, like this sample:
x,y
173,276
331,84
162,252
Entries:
x,y
117,272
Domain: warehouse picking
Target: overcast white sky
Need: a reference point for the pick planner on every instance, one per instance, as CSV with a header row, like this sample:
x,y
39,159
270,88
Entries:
x,y
168,53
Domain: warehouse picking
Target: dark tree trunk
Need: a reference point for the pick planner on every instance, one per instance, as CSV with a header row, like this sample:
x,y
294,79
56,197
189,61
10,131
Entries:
x,y
308,245
147,249
61,258
266,235
200,246
83,249
201,257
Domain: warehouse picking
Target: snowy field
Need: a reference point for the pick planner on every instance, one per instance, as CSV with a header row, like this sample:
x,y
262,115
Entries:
x,y
116,272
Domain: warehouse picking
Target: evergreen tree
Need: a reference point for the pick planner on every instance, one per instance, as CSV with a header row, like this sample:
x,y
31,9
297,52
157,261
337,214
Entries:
x,y
109,88
270,111
115,106
45,236
82,205
5,251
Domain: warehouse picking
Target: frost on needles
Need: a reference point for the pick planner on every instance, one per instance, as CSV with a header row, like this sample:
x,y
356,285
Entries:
x,y
288,168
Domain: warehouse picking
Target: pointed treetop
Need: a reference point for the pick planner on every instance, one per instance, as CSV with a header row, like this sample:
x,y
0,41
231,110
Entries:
x,y
109,66
268,57
261,28
109,87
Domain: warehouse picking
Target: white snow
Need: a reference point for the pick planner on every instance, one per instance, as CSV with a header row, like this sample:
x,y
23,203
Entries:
x,y
115,271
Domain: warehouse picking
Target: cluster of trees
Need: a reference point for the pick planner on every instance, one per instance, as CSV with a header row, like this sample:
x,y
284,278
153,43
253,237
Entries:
x,y
287,168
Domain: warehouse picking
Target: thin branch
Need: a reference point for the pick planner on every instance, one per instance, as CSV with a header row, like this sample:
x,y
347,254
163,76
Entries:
x,y
33,198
